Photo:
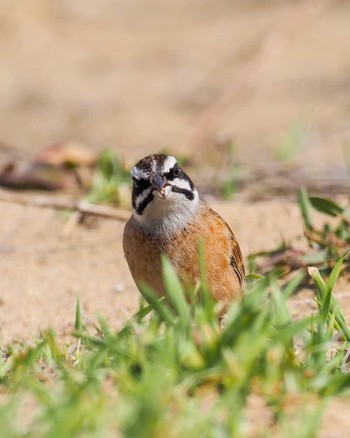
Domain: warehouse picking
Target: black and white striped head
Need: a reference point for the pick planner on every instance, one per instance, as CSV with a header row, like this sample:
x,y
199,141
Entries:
x,y
163,195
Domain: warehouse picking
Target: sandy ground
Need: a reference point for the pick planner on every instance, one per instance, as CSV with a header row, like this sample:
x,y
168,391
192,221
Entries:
x,y
141,76
42,272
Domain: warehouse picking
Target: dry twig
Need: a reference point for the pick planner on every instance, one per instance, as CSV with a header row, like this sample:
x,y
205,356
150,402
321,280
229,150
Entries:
x,y
64,204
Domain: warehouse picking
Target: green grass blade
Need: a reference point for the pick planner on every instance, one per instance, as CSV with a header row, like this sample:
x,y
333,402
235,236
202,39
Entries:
x,y
325,205
158,304
326,302
331,281
319,282
253,277
304,204
78,324
293,284
143,312
281,313
175,293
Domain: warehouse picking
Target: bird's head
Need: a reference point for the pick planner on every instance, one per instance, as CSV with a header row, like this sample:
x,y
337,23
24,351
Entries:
x,y
163,195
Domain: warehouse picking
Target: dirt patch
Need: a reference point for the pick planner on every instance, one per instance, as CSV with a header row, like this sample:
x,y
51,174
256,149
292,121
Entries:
x,y
43,272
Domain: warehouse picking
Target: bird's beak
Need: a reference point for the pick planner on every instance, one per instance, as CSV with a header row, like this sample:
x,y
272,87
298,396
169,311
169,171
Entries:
x,y
161,186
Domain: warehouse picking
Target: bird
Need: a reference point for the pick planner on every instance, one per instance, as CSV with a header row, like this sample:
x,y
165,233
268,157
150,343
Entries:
x,y
170,218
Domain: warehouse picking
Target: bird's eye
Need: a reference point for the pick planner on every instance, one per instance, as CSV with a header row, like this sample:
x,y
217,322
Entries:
x,y
176,170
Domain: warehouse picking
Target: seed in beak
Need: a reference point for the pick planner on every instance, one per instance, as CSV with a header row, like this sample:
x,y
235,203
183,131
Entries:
x,y
162,187
158,183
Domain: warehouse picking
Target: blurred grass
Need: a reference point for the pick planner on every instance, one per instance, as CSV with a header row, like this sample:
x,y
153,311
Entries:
x,y
325,244
229,174
111,181
171,371
293,142
346,154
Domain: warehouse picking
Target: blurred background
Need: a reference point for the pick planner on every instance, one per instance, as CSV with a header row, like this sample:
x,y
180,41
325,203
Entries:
x,y
255,88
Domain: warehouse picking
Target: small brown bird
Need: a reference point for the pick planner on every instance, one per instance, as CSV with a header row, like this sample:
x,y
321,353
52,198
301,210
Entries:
x,y
169,218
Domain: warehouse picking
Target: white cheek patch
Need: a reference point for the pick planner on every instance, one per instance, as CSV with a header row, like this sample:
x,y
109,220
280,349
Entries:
x,y
169,163
166,214
182,184
142,196
138,173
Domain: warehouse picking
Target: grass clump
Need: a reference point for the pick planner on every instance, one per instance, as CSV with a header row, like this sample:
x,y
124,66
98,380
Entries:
x,y
226,182
325,244
171,371
111,180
